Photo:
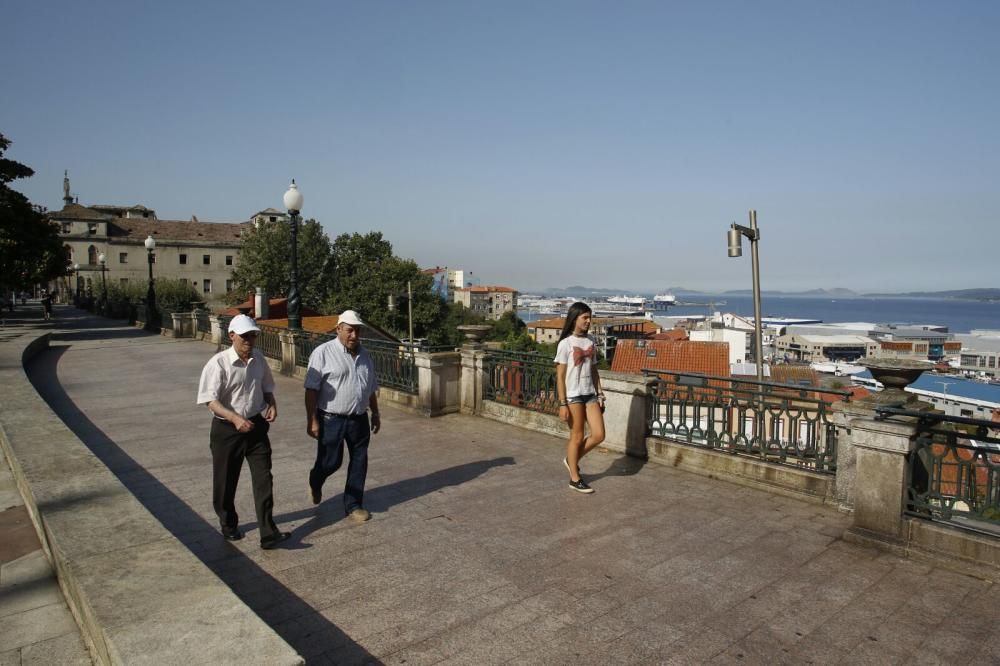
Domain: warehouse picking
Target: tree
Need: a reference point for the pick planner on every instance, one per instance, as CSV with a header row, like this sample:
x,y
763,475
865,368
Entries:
x,y
365,272
31,251
265,261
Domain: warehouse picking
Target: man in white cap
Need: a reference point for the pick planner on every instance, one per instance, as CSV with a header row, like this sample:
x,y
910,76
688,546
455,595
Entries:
x,y
340,390
238,388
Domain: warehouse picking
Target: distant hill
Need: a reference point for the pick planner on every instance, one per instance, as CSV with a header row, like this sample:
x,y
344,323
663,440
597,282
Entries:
x,y
985,294
836,292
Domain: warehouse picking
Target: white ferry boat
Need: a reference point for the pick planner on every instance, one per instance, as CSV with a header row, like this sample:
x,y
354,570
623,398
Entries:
x,y
663,301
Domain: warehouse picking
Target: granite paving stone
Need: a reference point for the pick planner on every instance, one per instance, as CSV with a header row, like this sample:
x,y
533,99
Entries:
x,y
477,552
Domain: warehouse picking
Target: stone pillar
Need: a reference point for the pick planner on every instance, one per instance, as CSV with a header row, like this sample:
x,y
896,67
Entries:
x,y
472,377
181,325
626,412
219,333
288,352
879,488
439,379
261,305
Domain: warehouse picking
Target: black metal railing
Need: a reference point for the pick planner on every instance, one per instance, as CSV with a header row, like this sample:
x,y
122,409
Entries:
x,y
778,423
305,343
953,470
395,366
268,341
521,379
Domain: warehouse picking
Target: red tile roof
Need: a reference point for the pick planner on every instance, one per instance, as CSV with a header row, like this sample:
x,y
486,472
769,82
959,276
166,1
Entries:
x,y
709,358
277,309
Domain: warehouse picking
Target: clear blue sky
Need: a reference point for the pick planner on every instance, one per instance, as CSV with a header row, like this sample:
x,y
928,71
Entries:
x,y
541,143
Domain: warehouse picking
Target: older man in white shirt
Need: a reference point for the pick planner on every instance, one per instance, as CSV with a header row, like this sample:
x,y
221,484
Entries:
x,y
238,388
340,388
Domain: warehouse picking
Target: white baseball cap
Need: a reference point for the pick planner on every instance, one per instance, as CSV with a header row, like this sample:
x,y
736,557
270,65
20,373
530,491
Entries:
x,y
242,324
349,317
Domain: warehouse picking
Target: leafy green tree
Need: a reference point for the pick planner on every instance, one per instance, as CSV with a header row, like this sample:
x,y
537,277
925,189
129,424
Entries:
x,y
265,261
446,332
365,273
30,249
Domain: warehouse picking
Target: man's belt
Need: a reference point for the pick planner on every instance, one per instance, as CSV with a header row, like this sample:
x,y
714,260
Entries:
x,y
343,416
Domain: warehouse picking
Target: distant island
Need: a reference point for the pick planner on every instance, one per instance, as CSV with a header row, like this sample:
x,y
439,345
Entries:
x,y
980,294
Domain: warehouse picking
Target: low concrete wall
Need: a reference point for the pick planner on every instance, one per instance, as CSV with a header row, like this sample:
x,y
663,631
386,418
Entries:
x,y
139,595
780,479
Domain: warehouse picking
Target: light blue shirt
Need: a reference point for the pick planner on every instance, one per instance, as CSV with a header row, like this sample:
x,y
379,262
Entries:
x,y
344,382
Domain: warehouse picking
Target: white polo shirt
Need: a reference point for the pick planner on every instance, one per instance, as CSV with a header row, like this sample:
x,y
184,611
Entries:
x,y
237,384
345,382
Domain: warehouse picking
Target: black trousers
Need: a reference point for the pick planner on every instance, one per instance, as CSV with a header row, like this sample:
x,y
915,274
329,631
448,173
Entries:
x,y
229,449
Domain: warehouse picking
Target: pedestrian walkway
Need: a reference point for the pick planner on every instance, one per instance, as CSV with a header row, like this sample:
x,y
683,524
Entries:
x,y
36,626
478,553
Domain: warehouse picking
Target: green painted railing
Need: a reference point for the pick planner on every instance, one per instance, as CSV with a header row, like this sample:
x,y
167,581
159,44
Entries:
x,y
778,423
953,470
521,379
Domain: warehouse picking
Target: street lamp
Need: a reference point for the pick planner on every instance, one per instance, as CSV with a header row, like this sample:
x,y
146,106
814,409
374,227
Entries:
x,y
736,232
104,284
152,315
76,269
409,307
293,202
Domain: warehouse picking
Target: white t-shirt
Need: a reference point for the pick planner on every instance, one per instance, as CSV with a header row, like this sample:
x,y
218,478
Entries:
x,y
579,356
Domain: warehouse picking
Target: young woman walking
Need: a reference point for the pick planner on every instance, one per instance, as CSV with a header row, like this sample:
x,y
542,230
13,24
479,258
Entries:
x,y
581,401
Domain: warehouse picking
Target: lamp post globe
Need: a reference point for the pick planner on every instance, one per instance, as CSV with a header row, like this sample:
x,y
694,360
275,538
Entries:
x,y
293,202
152,315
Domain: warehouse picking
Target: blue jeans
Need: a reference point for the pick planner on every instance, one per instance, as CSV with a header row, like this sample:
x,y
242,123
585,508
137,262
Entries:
x,y
334,432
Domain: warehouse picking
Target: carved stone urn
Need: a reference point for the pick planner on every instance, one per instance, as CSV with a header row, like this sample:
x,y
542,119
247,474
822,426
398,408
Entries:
x,y
895,375
474,333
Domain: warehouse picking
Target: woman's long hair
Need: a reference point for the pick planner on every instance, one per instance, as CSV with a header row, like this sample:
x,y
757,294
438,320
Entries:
x,y
574,313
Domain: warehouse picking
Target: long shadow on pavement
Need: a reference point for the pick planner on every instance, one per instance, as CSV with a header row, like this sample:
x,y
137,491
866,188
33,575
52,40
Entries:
x,y
240,573
381,498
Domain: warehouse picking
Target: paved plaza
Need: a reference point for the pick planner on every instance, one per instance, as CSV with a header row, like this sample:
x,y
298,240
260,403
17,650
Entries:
x,y
479,553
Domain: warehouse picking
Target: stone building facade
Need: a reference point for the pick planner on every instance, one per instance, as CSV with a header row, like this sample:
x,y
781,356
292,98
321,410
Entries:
x,y
201,253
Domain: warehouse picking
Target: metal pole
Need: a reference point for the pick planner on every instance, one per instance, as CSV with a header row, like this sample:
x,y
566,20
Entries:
x,y
409,306
152,316
104,291
294,315
758,335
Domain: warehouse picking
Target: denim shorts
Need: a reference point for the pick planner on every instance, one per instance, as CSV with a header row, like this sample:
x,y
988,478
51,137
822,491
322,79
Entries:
x,y
585,399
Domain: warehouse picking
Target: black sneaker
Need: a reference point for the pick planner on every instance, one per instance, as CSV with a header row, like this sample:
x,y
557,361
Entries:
x,y
581,486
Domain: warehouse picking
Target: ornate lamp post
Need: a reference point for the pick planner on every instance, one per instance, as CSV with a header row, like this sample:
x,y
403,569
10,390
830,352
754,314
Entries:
x,y
736,232
76,269
293,202
152,315
104,283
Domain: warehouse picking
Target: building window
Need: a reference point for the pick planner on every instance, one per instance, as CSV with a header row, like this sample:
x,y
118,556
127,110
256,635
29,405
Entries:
x,y
66,227
184,259
91,255
229,260
123,257
92,229
229,285
206,259
206,286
